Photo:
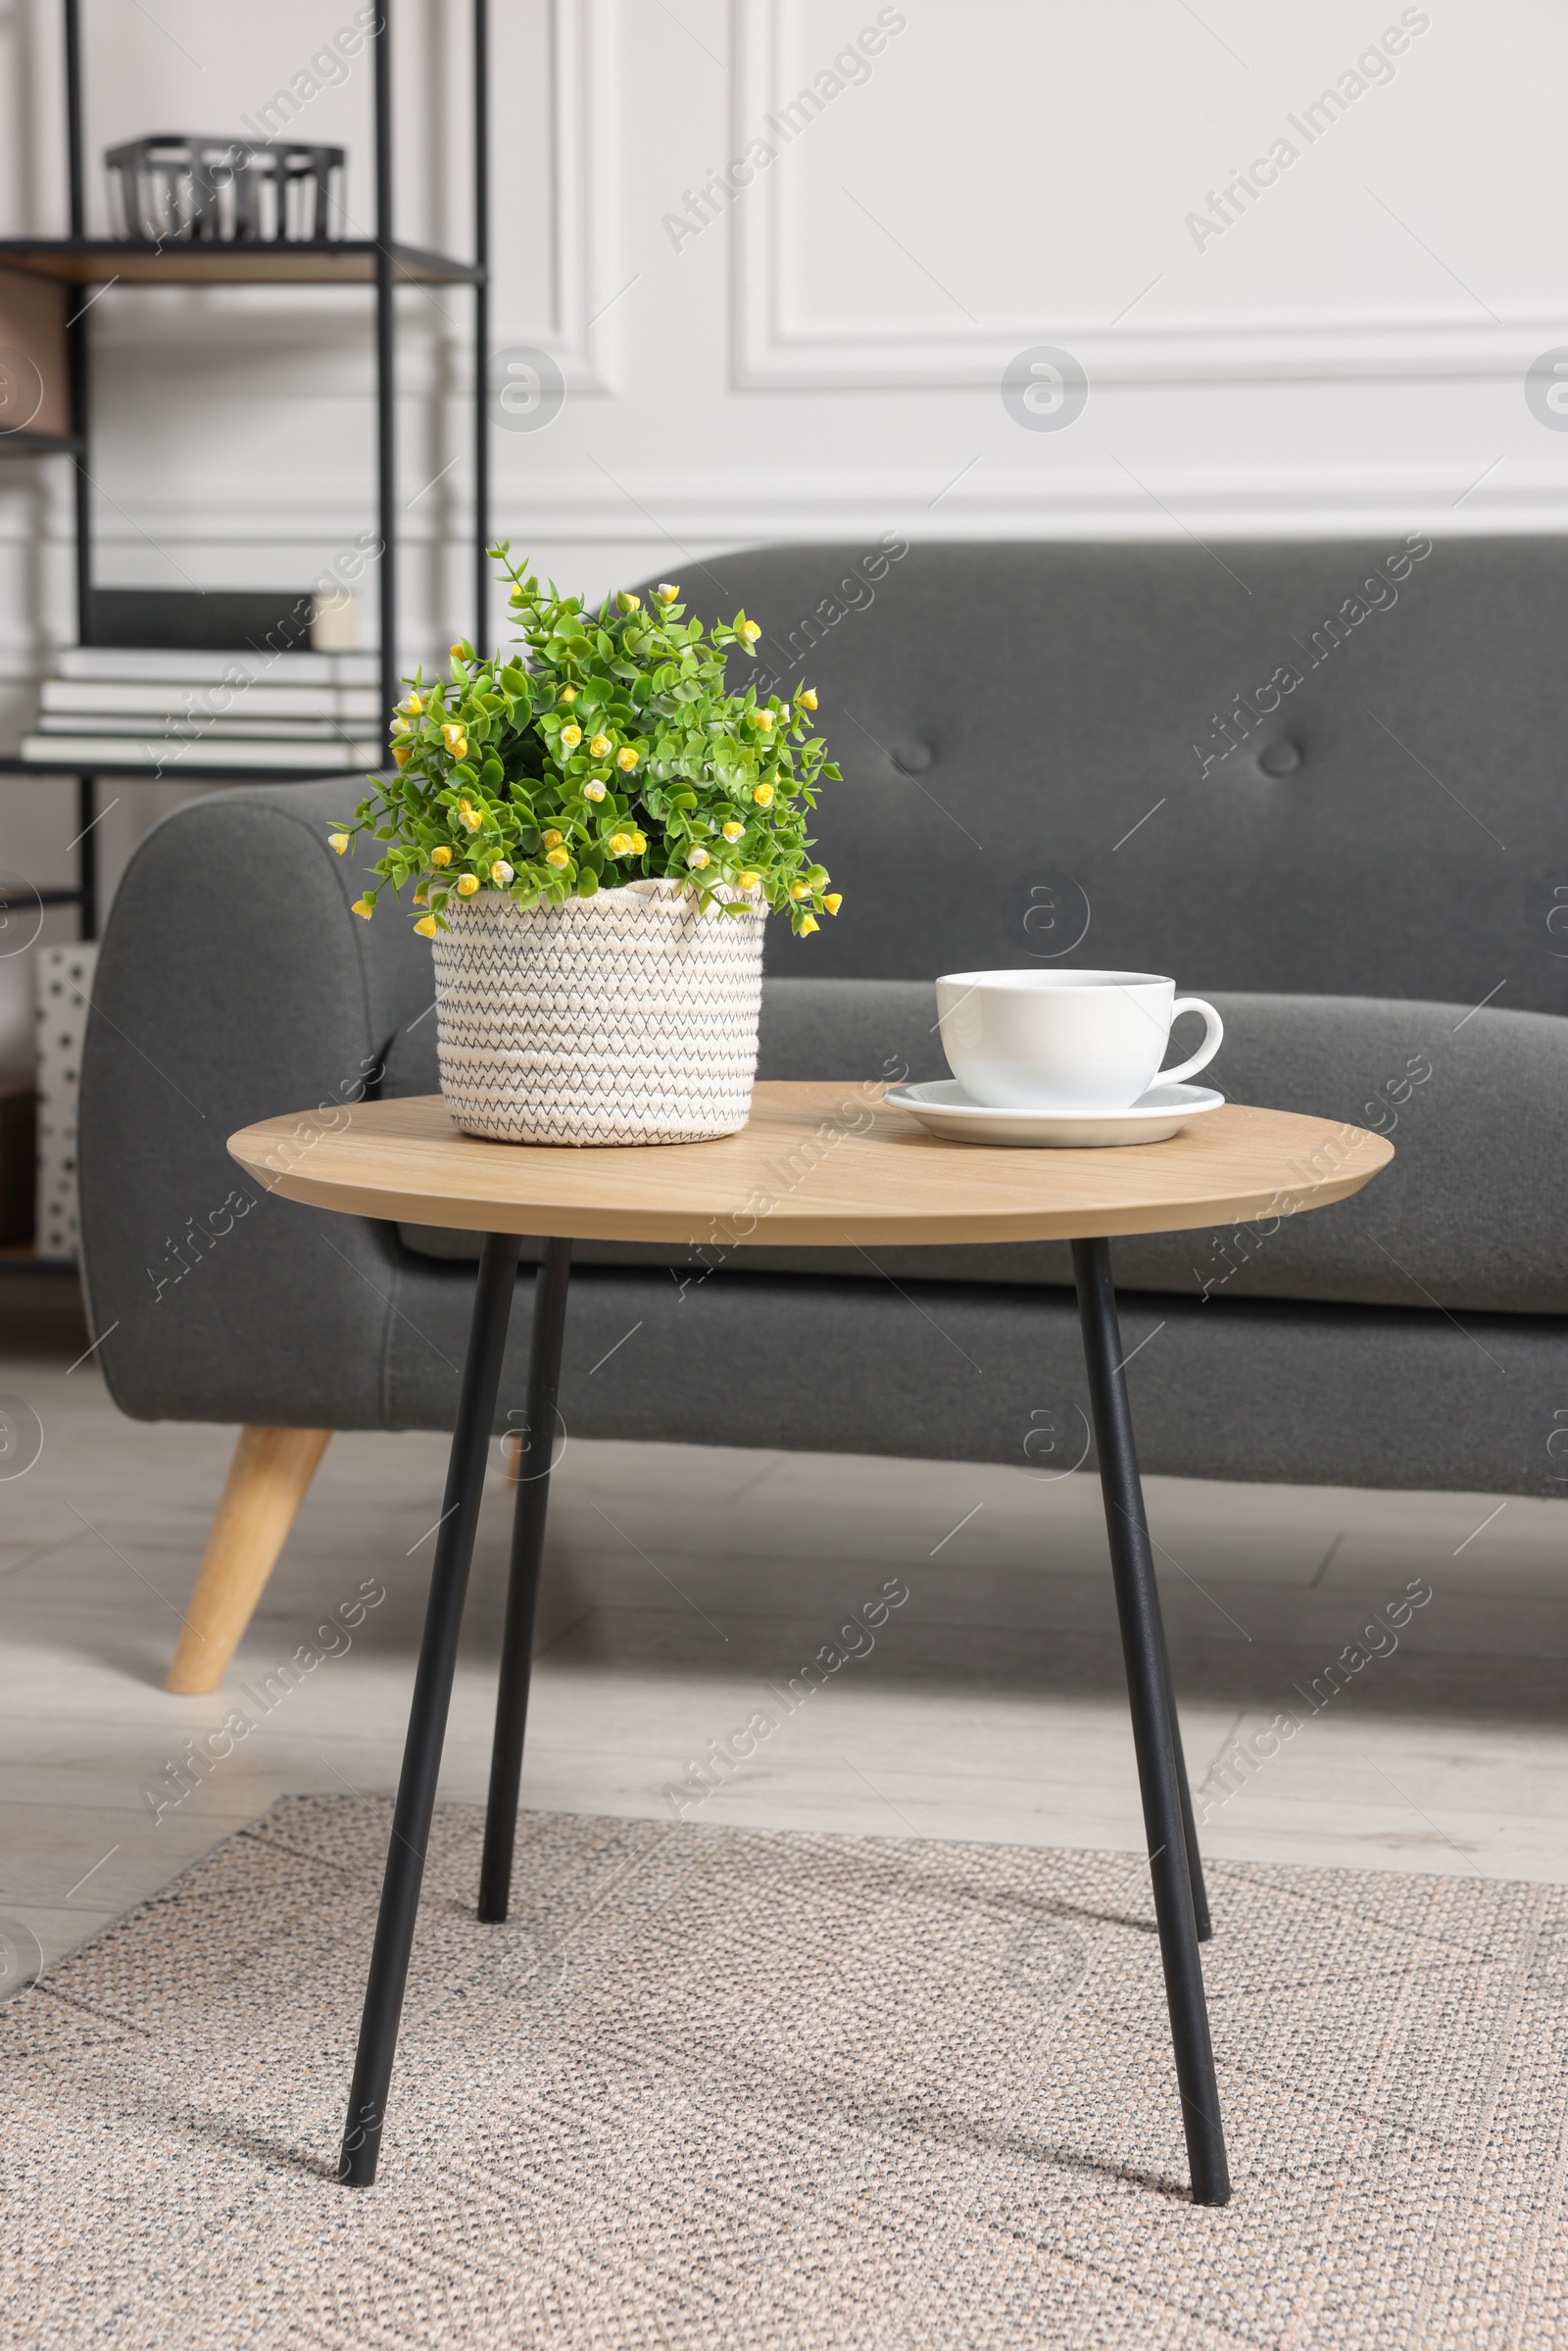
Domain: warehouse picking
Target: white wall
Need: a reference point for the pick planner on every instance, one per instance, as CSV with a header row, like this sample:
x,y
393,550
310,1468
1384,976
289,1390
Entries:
x,y
826,356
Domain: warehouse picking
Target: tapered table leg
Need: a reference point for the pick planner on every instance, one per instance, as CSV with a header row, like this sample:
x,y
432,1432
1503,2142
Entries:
x,y
1202,1923
1156,1738
428,1716
1194,1859
523,1593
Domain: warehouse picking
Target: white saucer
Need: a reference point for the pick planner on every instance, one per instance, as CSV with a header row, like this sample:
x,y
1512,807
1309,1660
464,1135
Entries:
x,y
946,1109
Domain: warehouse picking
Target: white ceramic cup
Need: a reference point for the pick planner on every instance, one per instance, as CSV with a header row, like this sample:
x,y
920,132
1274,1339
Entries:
x,y
1066,1039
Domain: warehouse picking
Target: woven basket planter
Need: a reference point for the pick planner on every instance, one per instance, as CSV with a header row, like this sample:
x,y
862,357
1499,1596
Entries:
x,y
626,1018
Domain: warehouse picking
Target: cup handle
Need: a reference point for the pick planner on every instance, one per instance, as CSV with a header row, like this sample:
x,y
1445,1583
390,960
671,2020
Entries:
x,y
1206,1052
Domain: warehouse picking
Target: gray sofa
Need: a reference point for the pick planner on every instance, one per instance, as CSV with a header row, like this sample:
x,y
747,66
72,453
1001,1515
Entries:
x,y
1319,783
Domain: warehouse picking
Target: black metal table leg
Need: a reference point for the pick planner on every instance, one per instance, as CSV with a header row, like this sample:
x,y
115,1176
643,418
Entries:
x,y
1201,1921
428,1716
1156,1738
523,1593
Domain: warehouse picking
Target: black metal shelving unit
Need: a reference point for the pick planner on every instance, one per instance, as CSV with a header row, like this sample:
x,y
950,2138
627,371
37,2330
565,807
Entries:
x,y
82,262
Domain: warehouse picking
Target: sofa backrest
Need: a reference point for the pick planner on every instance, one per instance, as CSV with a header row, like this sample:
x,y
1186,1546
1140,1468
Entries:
x,y
1329,767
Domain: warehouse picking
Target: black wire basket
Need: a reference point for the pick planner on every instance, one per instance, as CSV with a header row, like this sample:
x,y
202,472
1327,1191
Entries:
x,y
177,188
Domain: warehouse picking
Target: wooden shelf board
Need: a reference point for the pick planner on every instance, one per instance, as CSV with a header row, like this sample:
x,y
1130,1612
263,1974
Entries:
x,y
20,1256
181,771
99,261
38,444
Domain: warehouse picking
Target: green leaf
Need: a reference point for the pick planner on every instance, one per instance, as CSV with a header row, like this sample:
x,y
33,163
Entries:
x,y
656,678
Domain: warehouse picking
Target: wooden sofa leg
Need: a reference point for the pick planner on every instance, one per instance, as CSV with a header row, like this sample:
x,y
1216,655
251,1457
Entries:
x,y
268,1480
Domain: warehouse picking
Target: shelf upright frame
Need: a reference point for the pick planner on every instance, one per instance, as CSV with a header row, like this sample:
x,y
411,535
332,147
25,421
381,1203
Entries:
x,y
481,325
79,381
55,257
386,390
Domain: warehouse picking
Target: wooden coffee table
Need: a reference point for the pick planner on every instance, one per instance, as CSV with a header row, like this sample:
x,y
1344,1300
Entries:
x,y
818,1165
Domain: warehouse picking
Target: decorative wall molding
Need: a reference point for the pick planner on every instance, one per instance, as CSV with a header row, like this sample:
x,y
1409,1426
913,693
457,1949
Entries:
x,y
1325,350
771,352
579,330
701,510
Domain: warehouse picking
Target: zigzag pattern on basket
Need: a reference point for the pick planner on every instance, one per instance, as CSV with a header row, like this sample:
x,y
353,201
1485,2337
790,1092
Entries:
x,y
627,1018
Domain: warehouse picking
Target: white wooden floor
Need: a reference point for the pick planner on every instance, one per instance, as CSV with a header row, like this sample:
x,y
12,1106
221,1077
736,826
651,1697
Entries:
x,y
686,1589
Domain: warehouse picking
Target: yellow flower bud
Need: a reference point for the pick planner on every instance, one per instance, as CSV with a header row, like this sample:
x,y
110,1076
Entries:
x,y
808,698
557,858
570,737
629,603
472,818
626,759
748,879
400,725
834,901
551,836
468,883
620,844
568,693
363,908
762,794
799,889
440,856
426,929
697,859
459,653
402,753
337,842
500,872
668,591
420,898
593,790
809,926
749,631
413,704
599,746
763,720
455,736
732,831
639,842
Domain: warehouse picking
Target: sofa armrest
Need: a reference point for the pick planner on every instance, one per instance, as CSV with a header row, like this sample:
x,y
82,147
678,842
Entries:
x,y
234,983
1469,1215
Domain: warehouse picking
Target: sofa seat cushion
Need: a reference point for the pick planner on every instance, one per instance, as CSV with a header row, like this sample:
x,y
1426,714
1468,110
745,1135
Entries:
x,y
1467,1217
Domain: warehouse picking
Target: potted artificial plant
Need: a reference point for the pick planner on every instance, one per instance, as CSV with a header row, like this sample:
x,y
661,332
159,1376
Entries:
x,y
593,832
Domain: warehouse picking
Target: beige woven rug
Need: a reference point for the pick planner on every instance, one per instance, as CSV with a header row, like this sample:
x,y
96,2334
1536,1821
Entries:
x,y
737,2088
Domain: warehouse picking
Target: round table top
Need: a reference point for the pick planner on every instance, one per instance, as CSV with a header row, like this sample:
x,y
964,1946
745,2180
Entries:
x,y
819,1164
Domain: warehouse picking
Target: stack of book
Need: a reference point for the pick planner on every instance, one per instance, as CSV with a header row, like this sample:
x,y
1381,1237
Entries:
x,y
120,707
